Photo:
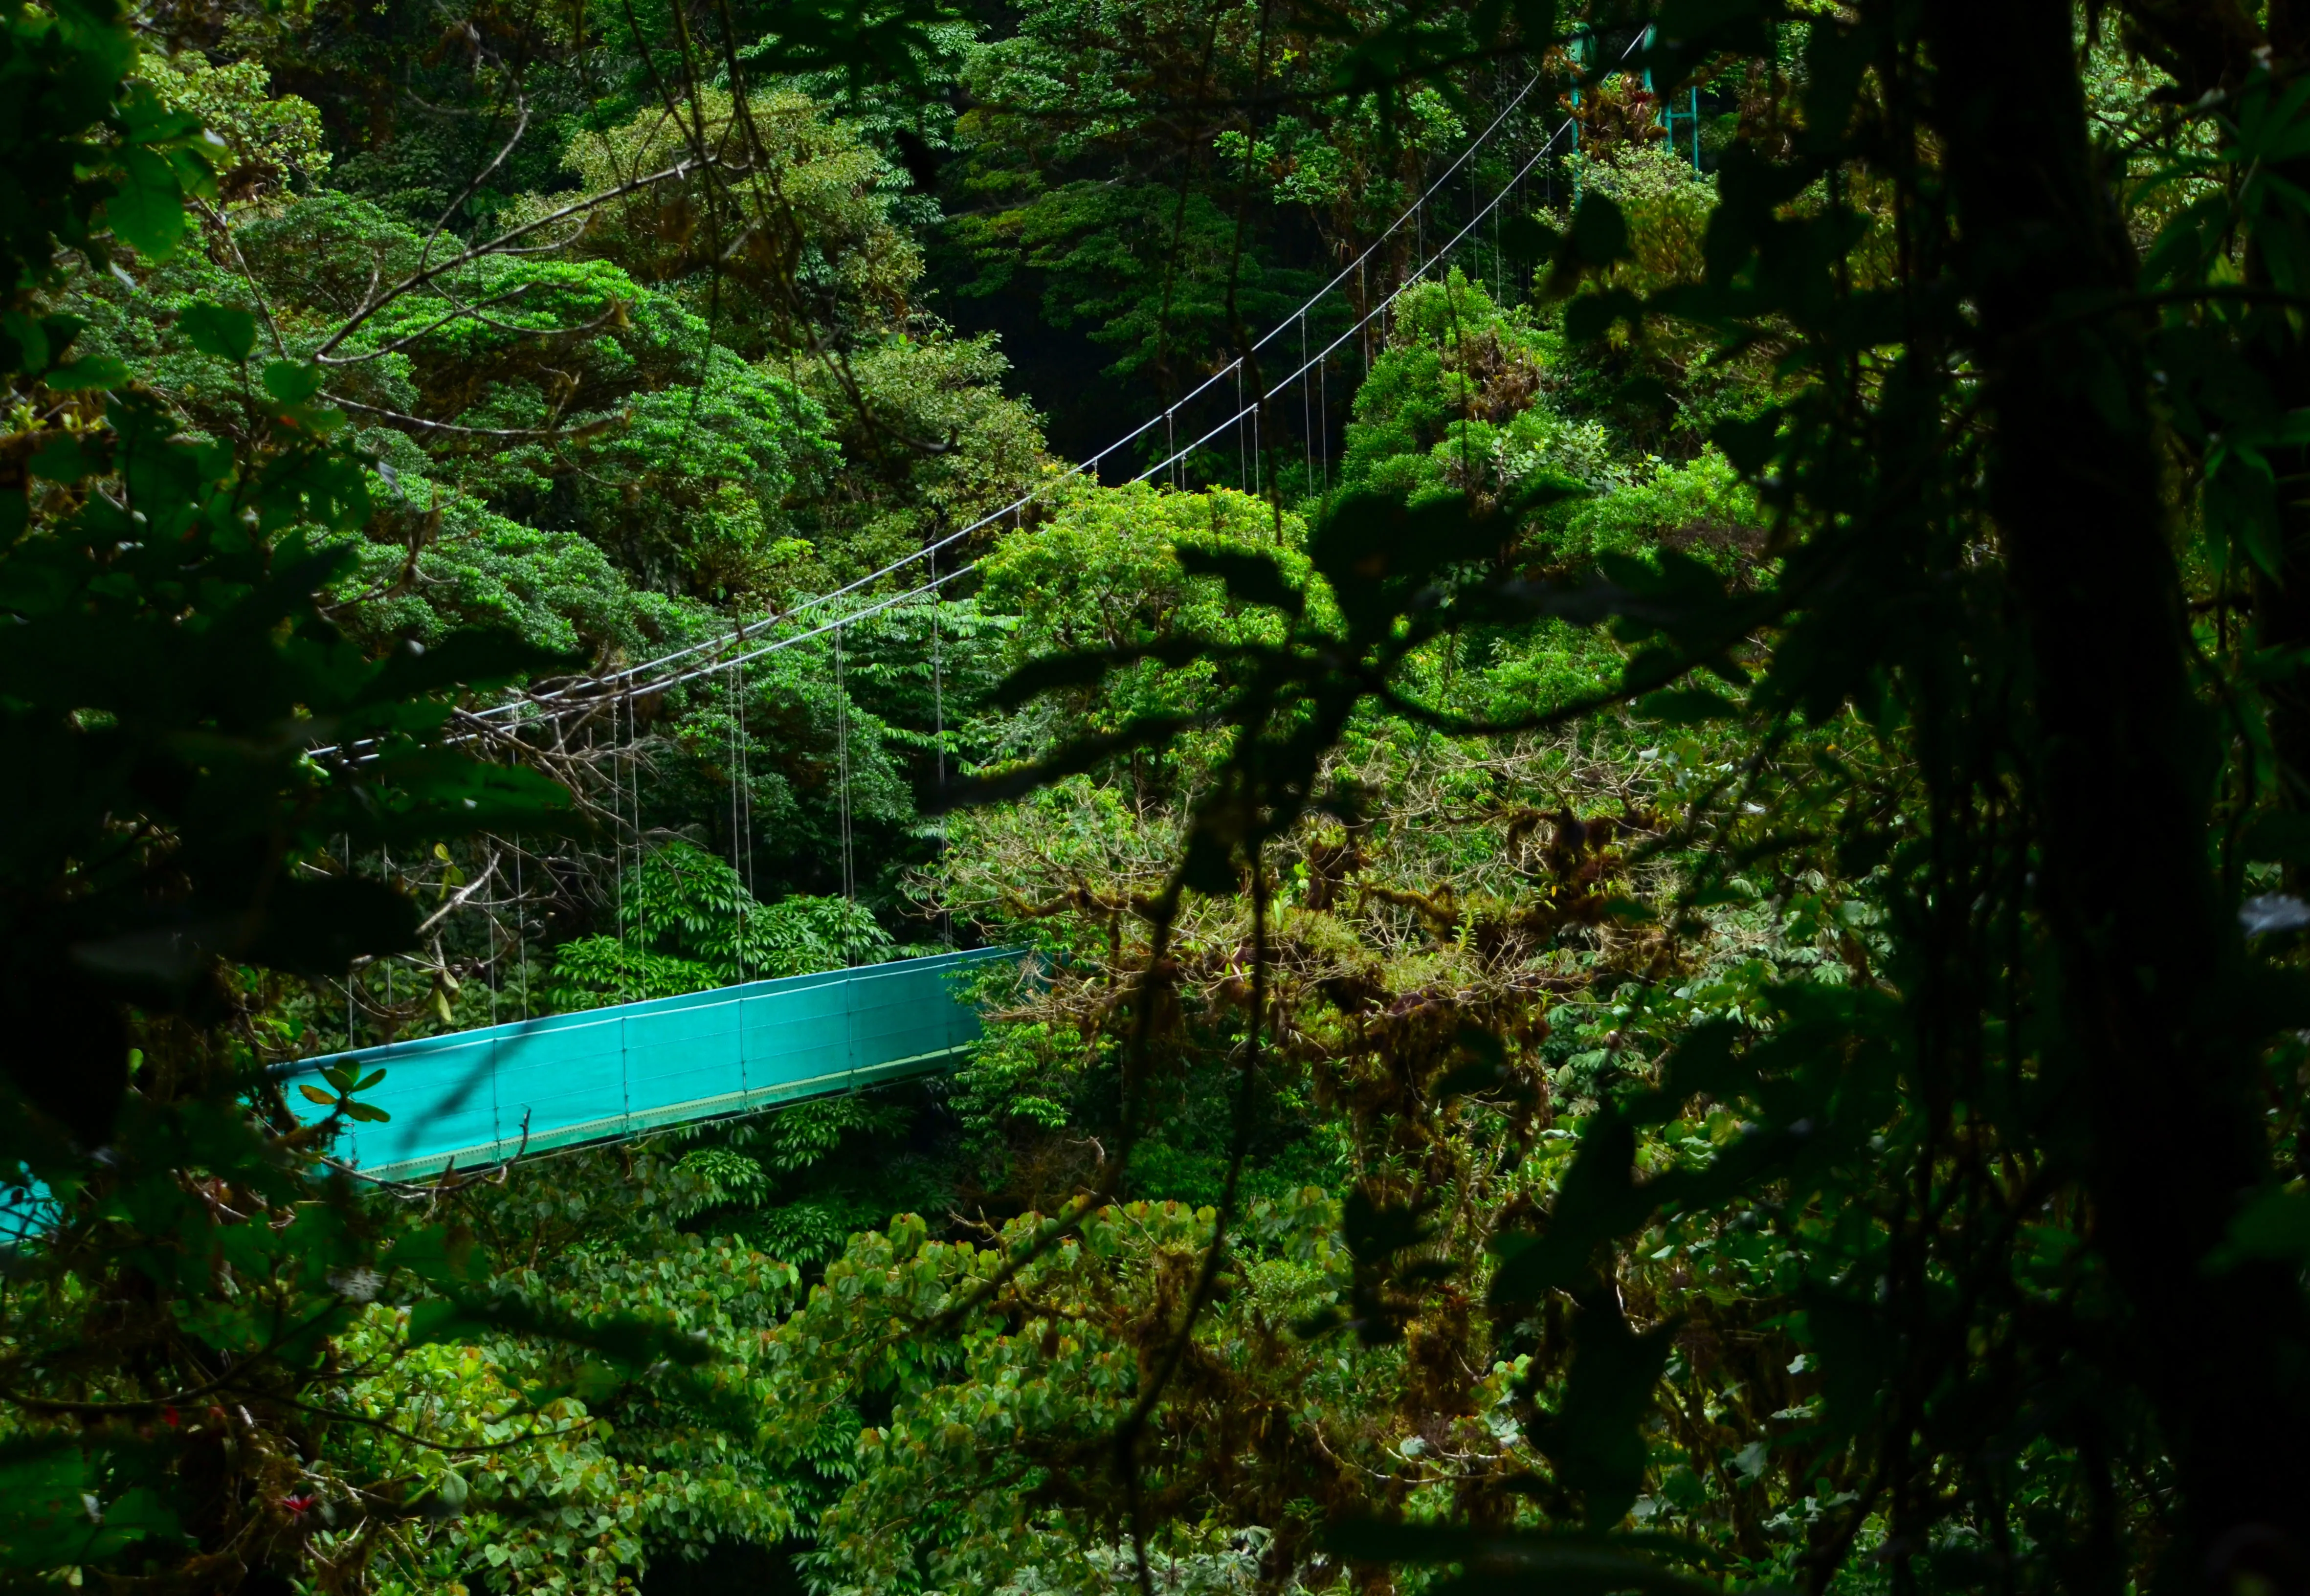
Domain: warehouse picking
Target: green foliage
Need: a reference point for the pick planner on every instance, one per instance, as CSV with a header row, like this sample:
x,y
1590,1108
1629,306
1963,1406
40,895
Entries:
x,y
168,680
930,441
88,150
192,736
272,143
1113,571
1649,981
807,244
1894,1202
1666,206
126,707
799,1183
532,1466
686,923
1144,279
473,568
1162,175
1040,1381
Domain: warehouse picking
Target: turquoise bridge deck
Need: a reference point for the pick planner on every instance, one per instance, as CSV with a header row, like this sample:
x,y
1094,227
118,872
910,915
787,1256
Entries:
x,y
477,1097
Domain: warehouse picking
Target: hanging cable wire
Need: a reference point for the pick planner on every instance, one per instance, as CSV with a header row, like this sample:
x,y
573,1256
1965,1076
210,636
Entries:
x,y
348,966
384,868
1306,409
634,774
595,687
1242,467
582,695
618,841
1360,331
938,743
497,965
842,759
1323,413
746,786
1173,462
633,687
520,925
737,874
1363,301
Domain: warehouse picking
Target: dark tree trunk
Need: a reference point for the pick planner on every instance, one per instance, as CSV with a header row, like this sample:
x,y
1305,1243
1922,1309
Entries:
x,y
2212,48
2151,958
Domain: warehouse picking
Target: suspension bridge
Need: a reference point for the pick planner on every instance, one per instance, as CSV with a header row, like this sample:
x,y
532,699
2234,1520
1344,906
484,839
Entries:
x,y
472,1099
1309,383
503,1091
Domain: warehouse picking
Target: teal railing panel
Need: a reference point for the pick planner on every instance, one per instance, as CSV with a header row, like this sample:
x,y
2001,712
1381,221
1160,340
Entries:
x,y
477,1096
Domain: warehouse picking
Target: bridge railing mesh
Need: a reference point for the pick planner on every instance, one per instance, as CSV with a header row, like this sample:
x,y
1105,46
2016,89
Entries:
x,y
477,1096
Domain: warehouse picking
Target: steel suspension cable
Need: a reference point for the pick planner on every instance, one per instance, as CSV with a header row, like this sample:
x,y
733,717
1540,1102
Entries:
x,y
1361,331
521,923
350,873
590,690
618,841
737,874
842,755
1306,410
938,743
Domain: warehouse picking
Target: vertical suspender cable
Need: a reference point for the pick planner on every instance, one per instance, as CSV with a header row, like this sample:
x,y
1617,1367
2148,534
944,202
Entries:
x,y
497,965
1498,286
618,841
1306,409
1242,465
1323,408
521,924
737,871
634,774
349,967
938,741
849,878
745,901
634,769
746,837
633,764
842,759
385,859
618,885
1516,200
746,786
938,696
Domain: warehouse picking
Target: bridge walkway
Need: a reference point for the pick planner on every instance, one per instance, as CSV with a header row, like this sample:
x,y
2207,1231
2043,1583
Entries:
x,y
479,1097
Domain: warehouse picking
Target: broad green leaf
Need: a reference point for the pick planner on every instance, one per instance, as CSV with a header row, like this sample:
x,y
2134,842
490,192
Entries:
x,y
219,330
148,211
89,371
291,382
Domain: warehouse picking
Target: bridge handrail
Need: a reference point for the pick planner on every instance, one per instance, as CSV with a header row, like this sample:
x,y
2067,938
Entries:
x,y
481,1095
